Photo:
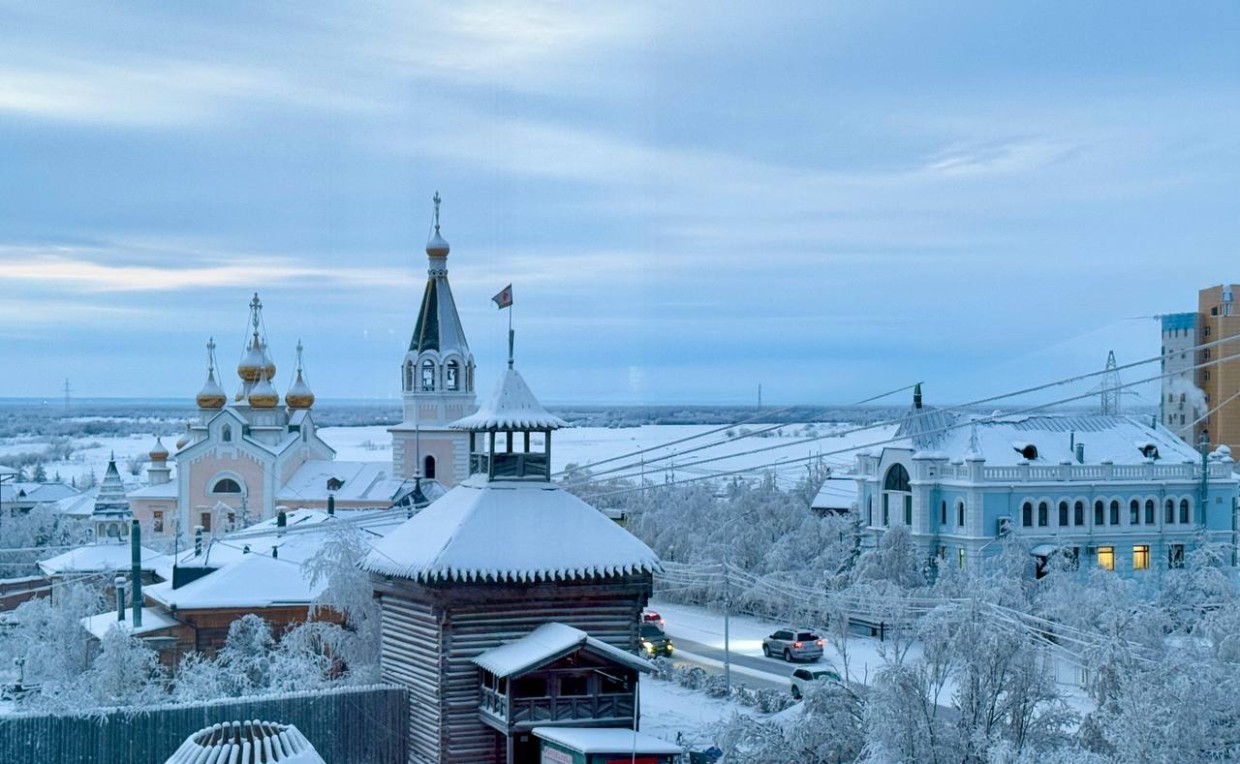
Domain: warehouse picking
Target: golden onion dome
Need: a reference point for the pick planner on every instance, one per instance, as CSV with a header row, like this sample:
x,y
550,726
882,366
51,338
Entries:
x,y
184,440
299,395
269,366
158,453
264,396
437,246
212,395
254,364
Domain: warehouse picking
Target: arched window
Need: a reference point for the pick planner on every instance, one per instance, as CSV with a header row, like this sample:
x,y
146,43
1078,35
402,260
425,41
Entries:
x,y
1134,512
226,485
1170,513
1063,513
1043,514
409,375
428,375
1026,515
428,467
1078,513
943,513
1184,510
897,479
226,434
1100,517
1114,511
960,513
452,376
1150,507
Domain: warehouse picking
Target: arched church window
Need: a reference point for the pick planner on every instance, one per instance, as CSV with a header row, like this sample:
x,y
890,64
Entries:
x,y
226,434
226,485
452,376
428,467
428,375
469,378
409,375
897,479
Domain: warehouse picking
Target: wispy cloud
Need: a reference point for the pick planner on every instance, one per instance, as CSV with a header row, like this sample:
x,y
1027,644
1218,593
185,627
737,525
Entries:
x,y
1010,157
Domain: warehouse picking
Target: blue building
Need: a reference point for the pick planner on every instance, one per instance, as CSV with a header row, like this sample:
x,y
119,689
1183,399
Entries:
x,y
1119,492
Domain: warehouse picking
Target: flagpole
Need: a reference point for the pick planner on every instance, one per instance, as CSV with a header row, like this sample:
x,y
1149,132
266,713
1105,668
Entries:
x,y
510,336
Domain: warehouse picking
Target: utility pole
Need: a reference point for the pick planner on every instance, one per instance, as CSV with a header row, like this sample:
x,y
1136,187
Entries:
x,y
727,635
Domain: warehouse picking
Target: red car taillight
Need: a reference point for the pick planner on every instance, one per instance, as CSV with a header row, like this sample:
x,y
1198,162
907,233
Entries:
x,y
819,643
797,645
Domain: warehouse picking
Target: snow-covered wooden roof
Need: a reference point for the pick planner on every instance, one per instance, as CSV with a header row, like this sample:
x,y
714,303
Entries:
x,y
511,407
606,740
548,643
509,531
257,580
99,558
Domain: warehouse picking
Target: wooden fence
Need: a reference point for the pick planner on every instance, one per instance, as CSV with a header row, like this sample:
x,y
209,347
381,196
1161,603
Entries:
x,y
358,725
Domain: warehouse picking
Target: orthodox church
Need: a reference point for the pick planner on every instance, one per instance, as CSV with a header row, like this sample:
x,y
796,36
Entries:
x,y
243,457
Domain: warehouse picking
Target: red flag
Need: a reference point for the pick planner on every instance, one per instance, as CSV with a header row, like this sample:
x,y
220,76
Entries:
x,y
504,298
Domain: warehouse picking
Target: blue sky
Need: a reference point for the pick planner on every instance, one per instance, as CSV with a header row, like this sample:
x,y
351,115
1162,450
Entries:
x,y
691,199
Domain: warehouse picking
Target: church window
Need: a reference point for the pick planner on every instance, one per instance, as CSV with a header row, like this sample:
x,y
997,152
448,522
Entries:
x,y
1099,513
226,434
960,513
1149,511
1170,514
1063,513
1078,513
1026,515
428,375
1043,514
452,376
1134,512
1114,512
226,485
428,469
897,479
1184,510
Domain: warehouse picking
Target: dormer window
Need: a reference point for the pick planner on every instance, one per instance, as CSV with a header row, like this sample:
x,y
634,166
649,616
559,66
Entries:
x,y
1027,451
334,484
1149,451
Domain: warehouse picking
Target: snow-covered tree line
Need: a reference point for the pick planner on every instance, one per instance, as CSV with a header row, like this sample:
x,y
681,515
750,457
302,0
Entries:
x,y
68,669
967,673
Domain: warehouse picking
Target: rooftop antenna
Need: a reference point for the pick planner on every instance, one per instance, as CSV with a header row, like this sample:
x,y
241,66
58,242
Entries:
x,y
1110,387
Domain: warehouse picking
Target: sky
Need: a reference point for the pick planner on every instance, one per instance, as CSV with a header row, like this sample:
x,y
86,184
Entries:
x,y
691,200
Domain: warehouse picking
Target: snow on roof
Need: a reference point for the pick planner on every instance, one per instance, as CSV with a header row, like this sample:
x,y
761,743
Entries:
x,y
511,407
548,643
81,505
152,620
359,481
257,580
110,502
99,558
248,742
38,493
837,492
606,740
1105,438
509,531
160,491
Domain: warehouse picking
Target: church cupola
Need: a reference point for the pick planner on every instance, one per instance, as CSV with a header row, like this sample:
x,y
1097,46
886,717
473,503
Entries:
x,y
436,378
256,366
299,395
212,395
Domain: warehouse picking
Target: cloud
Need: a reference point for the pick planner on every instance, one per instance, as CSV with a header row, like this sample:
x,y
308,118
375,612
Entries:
x,y
1012,157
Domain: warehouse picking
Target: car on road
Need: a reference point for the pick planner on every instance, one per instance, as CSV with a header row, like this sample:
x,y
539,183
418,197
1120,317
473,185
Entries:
x,y
650,616
653,641
793,645
804,677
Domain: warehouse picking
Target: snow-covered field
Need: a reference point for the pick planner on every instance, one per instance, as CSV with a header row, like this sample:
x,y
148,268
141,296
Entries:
x,y
785,450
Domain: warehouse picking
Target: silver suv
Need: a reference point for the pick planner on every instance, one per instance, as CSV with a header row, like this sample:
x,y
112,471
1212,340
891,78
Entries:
x,y
792,645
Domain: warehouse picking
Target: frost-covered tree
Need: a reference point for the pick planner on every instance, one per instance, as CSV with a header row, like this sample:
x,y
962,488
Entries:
x,y
50,638
337,562
246,657
125,672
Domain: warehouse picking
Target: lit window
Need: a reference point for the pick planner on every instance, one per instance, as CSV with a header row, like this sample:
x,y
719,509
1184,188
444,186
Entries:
x,y
1106,557
1141,557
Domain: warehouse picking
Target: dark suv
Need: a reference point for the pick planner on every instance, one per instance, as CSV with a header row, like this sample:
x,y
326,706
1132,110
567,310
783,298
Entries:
x,y
792,645
653,641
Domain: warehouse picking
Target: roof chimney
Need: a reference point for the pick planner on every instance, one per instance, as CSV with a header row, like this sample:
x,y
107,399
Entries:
x,y
917,396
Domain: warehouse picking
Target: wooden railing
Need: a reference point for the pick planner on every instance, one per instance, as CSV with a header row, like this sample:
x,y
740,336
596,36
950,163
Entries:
x,y
557,709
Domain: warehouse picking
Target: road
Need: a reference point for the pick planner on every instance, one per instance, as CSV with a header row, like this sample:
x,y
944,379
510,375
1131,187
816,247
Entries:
x,y
750,670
